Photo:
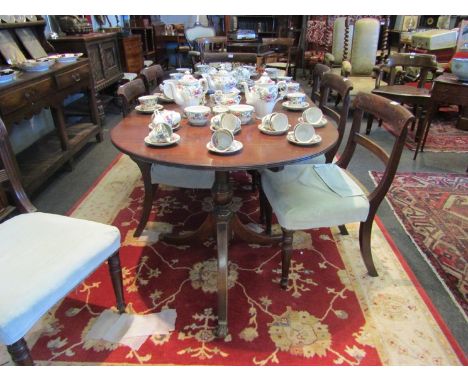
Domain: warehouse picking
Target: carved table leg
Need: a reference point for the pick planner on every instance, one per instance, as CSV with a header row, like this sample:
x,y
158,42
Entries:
x,y
222,195
145,169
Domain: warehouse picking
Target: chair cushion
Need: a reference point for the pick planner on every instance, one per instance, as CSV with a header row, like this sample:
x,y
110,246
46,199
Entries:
x,y
302,200
42,258
362,84
182,177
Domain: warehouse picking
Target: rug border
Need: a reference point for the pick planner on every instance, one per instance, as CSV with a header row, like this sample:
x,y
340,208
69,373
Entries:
x,y
434,311
94,184
424,256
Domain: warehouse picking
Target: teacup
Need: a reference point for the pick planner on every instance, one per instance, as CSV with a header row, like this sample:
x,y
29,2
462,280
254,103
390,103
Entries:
x,y
176,76
222,139
304,132
166,116
272,72
148,102
296,98
219,109
275,121
166,89
197,115
243,112
162,132
312,115
230,122
220,98
293,87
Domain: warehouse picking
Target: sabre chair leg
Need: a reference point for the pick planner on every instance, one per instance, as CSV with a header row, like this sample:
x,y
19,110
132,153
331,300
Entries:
x,y
115,271
286,256
268,213
20,353
365,230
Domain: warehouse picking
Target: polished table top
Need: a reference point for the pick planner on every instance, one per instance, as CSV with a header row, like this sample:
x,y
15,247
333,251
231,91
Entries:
x,y
259,151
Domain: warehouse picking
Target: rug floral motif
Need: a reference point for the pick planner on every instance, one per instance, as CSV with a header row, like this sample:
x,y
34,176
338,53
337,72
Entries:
x,y
332,312
443,135
433,209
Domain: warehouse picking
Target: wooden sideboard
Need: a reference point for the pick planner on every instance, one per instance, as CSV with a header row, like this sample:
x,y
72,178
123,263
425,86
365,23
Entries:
x,y
34,91
102,49
131,53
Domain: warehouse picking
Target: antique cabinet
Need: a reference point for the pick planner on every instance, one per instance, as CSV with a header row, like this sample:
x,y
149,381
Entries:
x,y
131,53
102,49
32,92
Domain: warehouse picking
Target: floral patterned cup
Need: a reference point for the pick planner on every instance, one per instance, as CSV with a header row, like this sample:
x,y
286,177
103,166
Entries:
x,y
197,115
243,112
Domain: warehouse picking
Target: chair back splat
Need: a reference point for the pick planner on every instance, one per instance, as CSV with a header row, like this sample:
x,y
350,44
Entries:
x,y
395,115
129,93
152,76
343,87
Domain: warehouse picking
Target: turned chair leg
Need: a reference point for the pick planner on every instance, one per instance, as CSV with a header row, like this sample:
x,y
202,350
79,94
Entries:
x,y
370,120
115,271
365,230
267,211
286,256
255,179
343,229
20,353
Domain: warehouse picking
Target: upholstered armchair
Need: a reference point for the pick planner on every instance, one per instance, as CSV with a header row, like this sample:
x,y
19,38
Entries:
x,y
361,67
341,38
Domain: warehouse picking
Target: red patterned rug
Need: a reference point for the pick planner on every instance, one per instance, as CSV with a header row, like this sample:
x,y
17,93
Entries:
x,y
332,312
433,209
443,136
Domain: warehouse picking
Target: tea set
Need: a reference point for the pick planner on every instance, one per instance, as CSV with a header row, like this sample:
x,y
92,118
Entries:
x,y
227,113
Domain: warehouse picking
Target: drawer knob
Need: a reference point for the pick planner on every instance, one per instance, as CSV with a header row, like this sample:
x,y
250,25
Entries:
x,y
76,77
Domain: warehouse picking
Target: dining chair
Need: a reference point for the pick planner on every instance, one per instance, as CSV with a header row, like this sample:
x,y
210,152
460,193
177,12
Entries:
x,y
43,257
211,44
343,87
317,74
245,58
417,96
152,76
314,196
286,53
129,93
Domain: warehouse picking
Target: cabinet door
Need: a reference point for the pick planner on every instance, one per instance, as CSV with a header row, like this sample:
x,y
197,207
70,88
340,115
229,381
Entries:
x,y
94,55
110,59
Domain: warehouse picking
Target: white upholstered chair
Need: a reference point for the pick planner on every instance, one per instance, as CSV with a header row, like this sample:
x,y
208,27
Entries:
x,y
335,58
313,196
42,258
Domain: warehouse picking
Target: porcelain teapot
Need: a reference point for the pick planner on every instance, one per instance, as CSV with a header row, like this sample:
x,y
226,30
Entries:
x,y
264,94
188,91
221,80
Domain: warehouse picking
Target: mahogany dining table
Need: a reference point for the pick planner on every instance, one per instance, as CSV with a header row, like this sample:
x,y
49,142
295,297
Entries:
x,y
259,152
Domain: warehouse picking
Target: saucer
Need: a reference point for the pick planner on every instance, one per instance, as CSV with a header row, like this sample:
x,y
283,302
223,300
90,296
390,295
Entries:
x,y
272,132
163,98
302,106
315,139
140,109
235,147
212,128
174,139
321,123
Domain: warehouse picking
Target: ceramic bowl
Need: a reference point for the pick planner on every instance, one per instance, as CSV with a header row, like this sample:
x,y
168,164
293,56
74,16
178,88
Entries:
x,y
197,115
272,72
222,139
7,75
296,98
304,132
312,115
148,101
243,112
459,67
39,65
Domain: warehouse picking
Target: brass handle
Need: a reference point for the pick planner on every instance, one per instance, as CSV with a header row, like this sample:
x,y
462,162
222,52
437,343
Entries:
x,y
76,77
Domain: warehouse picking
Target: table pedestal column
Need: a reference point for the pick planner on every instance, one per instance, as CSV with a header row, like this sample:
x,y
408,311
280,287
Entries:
x,y
222,197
